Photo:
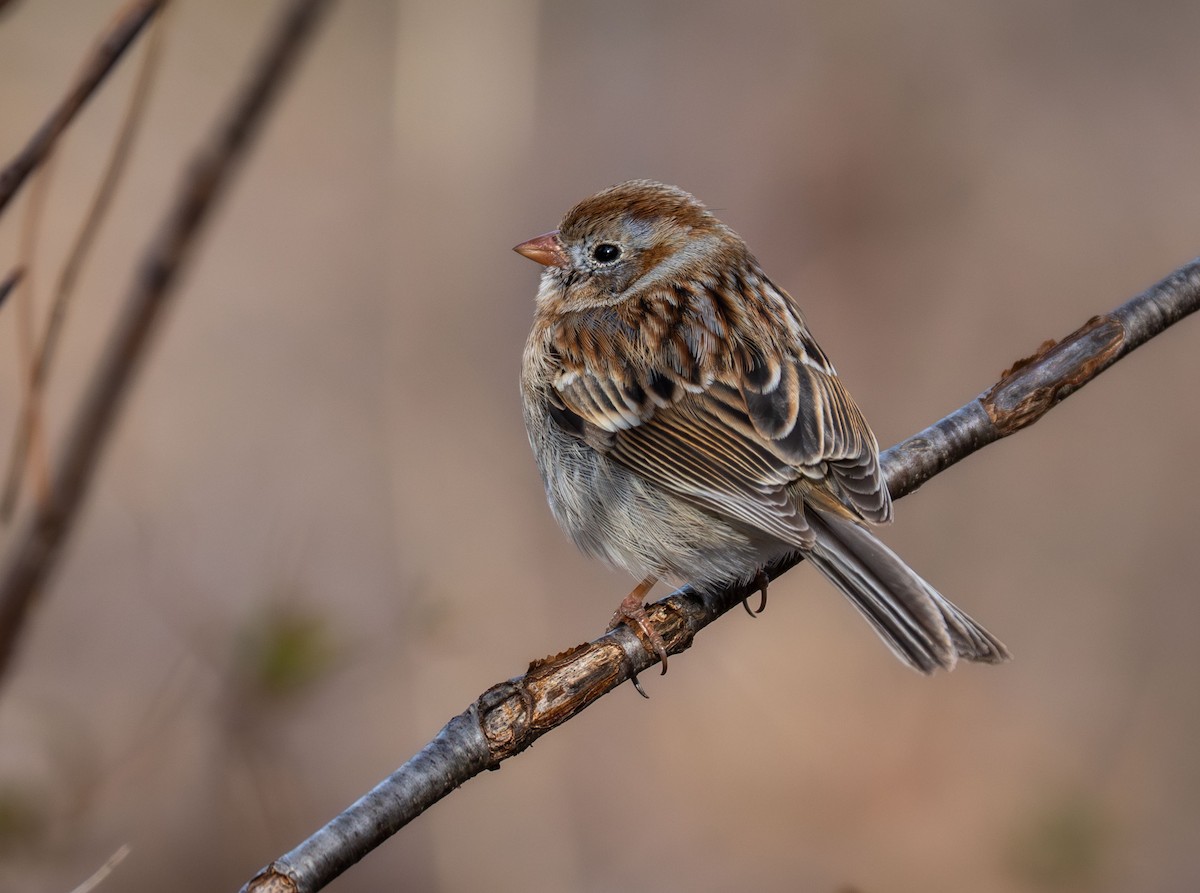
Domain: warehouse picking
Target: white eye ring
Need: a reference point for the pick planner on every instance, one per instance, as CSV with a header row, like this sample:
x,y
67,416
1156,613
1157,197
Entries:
x,y
606,253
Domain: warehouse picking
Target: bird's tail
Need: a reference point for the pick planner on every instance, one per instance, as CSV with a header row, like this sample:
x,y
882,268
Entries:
x,y
917,622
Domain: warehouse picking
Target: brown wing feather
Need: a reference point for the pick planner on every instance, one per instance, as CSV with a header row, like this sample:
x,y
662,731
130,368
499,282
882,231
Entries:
x,y
694,452
744,434
828,436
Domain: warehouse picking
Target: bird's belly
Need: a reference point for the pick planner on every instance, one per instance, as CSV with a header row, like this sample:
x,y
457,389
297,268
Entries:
x,y
614,514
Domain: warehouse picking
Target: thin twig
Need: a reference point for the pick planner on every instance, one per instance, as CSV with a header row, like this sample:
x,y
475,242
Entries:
x,y
44,355
37,546
139,94
11,281
124,29
26,312
99,875
510,716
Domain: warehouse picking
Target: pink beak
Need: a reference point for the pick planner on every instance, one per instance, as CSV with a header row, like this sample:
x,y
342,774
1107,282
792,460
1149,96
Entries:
x,y
546,250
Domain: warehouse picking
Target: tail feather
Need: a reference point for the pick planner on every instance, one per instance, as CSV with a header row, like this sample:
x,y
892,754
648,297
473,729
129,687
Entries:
x,y
921,626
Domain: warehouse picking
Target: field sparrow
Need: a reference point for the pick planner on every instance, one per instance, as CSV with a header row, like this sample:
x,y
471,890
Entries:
x,y
687,425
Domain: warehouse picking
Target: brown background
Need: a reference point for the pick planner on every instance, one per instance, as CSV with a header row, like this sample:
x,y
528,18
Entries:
x,y
317,532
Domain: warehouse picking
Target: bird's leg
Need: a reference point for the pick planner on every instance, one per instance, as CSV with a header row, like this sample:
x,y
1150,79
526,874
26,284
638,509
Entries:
x,y
760,583
632,613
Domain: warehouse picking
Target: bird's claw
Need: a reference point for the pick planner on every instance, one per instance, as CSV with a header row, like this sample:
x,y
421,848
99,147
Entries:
x,y
761,580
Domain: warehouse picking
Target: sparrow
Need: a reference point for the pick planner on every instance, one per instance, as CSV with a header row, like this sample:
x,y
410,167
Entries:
x,y
688,427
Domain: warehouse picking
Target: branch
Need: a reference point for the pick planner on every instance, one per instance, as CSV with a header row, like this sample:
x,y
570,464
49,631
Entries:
x,y
37,546
105,55
510,716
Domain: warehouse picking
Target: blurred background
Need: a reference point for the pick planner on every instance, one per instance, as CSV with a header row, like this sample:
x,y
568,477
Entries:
x,y
317,533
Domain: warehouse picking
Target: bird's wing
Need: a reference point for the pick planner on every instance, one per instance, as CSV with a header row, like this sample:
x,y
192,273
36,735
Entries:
x,y
746,431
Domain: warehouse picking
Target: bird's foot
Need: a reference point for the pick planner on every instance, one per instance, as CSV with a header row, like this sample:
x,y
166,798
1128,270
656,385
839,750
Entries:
x,y
632,613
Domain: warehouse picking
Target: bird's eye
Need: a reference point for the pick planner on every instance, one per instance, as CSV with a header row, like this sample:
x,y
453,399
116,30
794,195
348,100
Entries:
x,y
606,253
